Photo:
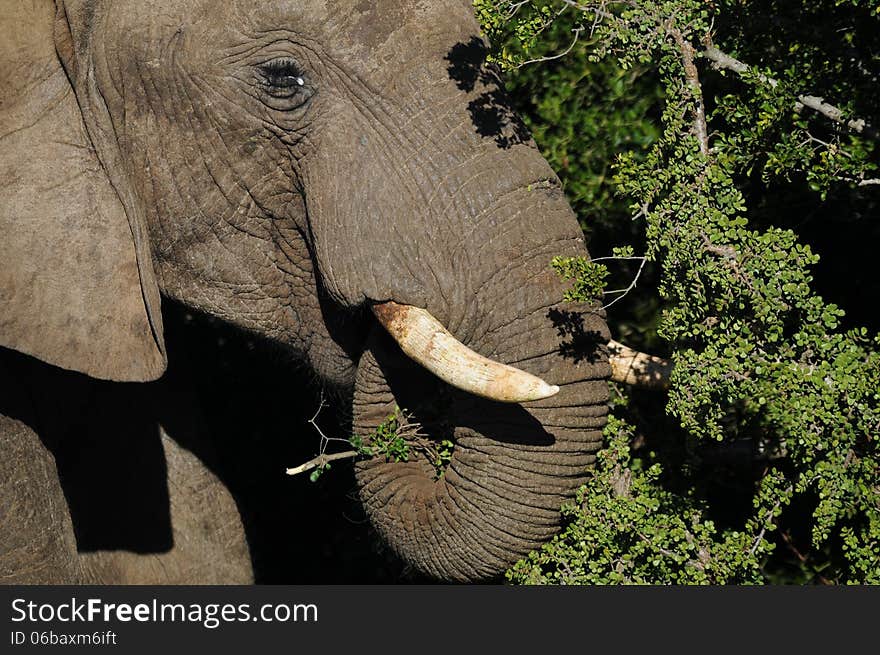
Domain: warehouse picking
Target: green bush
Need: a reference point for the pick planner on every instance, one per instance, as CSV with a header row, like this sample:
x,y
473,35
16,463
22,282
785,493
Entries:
x,y
761,465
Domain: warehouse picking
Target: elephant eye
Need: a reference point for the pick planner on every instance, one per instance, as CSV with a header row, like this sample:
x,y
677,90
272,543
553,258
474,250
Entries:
x,y
283,79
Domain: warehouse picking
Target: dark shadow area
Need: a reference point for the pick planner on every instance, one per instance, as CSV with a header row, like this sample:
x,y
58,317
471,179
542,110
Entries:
x,y
256,402
491,111
106,447
578,343
507,423
467,63
494,118
242,407
114,476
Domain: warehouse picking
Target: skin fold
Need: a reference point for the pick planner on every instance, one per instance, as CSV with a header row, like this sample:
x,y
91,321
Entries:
x,y
280,166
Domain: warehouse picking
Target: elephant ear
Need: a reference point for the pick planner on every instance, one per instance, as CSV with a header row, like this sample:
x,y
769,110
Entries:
x,y
77,288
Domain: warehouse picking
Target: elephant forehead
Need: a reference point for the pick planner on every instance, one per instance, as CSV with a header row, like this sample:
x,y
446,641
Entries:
x,y
26,55
382,34
381,25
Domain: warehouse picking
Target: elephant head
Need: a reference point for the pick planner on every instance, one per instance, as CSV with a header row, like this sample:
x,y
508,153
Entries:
x,y
343,178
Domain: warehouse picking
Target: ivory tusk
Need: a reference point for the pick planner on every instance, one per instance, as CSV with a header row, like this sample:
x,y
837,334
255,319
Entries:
x,y
424,339
638,369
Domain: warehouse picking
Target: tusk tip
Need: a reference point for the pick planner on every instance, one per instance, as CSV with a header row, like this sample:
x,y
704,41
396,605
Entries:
x,y
544,391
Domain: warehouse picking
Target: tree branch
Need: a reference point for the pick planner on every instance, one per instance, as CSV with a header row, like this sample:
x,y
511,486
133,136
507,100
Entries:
x,y
769,518
321,460
720,60
638,369
577,32
701,131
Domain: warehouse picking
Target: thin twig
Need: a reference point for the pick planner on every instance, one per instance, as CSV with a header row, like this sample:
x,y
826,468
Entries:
x,y
615,257
515,7
769,518
663,551
791,547
631,284
577,32
322,458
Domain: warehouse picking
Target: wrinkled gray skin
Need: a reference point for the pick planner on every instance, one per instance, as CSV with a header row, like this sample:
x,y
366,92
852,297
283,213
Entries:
x,y
154,148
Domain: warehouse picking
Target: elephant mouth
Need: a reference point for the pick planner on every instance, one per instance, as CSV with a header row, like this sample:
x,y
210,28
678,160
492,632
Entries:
x,y
391,388
429,344
453,495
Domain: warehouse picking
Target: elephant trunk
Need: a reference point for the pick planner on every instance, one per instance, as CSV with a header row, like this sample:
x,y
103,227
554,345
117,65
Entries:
x,y
433,197
512,465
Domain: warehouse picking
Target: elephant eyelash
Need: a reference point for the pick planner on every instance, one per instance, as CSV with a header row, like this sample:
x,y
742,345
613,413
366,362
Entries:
x,y
282,77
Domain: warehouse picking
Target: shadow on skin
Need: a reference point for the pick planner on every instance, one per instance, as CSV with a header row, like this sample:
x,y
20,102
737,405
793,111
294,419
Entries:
x,y
440,409
107,450
242,407
491,112
578,343
255,403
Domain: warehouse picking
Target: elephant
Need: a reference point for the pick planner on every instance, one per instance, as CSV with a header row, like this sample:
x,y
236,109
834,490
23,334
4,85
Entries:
x,y
345,181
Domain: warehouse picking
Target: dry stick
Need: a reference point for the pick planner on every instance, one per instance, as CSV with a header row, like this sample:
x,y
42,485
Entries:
x,y
763,531
628,366
724,61
321,460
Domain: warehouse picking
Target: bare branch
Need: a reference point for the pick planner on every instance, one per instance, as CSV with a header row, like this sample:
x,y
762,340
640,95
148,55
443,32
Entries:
x,y
632,284
321,460
638,369
769,518
720,60
701,131
860,181
724,61
577,32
